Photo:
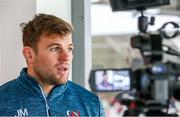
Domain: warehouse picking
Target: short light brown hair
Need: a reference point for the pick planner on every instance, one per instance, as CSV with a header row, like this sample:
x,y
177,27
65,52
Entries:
x,y
43,24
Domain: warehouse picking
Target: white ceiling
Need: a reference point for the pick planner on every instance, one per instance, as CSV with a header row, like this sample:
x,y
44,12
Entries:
x,y
125,22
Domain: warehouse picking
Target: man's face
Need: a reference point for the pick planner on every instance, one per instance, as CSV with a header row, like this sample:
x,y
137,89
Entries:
x,y
53,59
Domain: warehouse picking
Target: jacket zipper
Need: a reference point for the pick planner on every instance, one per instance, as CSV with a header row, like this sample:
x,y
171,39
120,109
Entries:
x,y
46,103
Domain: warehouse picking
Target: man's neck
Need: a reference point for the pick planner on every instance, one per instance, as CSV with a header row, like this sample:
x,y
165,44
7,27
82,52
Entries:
x,y
46,87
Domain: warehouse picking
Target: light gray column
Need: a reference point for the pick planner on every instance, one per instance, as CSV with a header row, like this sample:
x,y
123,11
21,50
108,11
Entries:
x,y
82,41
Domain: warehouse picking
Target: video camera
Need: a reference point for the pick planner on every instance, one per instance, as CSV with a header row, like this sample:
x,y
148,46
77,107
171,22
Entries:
x,y
155,83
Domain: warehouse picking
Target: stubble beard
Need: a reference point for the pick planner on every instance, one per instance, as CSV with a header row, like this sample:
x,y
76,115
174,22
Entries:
x,y
48,78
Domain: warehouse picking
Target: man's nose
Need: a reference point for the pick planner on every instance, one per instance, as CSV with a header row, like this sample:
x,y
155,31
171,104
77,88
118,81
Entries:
x,y
65,56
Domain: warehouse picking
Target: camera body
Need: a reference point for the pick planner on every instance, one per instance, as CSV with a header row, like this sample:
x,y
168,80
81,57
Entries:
x,y
150,88
121,5
158,82
155,82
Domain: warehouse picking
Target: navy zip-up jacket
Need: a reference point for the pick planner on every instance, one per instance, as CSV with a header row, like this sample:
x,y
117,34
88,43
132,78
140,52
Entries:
x,y
24,97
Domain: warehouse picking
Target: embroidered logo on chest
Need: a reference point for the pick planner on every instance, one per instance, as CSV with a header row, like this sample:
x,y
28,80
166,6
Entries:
x,y
73,114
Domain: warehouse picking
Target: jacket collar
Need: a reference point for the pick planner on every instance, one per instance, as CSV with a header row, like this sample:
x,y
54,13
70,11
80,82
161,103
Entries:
x,y
29,83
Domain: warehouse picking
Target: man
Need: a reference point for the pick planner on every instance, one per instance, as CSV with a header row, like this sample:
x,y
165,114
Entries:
x,y
43,89
105,84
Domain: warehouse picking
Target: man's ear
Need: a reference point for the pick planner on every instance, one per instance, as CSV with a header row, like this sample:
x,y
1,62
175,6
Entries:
x,y
29,54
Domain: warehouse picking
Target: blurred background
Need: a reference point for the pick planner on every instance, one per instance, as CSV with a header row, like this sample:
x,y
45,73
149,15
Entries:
x,y
111,34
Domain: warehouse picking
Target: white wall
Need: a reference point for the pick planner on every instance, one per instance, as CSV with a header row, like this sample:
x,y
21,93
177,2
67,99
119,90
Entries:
x,y
60,8
13,12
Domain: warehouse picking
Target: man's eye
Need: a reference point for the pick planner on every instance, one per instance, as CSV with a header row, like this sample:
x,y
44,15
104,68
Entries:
x,y
55,49
70,49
